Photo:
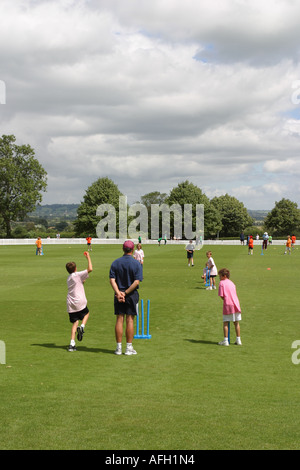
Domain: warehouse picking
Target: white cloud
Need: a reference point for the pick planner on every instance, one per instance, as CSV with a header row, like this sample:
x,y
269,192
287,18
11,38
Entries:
x,y
150,94
290,166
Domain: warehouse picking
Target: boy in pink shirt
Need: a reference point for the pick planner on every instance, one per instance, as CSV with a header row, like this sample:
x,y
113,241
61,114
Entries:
x,y
231,306
76,299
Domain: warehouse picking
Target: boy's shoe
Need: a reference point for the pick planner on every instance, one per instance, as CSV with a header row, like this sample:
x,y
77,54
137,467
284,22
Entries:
x,y
130,351
223,343
72,348
118,351
209,288
80,332
214,287
238,341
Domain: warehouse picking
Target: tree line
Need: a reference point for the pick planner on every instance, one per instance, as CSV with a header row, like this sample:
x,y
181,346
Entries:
x,y
23,179
224,216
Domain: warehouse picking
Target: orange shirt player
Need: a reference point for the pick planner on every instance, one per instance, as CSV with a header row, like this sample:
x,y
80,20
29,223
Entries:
x,y
39,246
293,241
89,243
250,246
288,246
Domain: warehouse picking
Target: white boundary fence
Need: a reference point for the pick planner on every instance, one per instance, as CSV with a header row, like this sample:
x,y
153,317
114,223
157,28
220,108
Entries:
x,y
117,241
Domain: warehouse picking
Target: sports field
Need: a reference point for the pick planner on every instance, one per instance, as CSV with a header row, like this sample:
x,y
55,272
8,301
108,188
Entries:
x,y
182,390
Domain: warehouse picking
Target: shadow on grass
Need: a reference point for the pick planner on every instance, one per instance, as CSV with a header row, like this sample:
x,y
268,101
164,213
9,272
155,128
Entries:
x,y
79,348
201,285
201,341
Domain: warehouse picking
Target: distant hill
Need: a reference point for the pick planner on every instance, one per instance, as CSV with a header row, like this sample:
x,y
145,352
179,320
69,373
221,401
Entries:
x,y
56,211
258,215
69,212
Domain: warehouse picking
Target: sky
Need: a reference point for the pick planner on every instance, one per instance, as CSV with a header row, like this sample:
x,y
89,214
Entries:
x,y
153,93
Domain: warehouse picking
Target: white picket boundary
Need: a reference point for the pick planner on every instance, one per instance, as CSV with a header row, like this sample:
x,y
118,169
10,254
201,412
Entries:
x,y
117,241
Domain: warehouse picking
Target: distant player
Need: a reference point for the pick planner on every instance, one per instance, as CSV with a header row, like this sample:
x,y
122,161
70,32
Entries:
x,y
139,254
288,245
89,243
293,241
212,271
250,246
39,246
205,274
190,248
265,241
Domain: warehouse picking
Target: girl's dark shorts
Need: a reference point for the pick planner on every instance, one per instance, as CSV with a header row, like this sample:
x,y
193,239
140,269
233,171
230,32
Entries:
x,y
75,316
129,306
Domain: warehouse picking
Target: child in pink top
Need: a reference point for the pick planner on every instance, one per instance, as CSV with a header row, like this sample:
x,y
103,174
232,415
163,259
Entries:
x,y
231,306
139,253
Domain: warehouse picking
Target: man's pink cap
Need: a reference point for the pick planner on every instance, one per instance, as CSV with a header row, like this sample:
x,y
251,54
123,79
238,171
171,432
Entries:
x,y
128,244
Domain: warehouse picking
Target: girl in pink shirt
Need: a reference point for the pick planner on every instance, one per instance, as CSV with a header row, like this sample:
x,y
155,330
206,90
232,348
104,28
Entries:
x,y
231,306
139,253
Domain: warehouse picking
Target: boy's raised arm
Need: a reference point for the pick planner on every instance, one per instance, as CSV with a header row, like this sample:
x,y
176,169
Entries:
x,y
90,266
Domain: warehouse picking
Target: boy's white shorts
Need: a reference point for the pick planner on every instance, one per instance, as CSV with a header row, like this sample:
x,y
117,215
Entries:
x,y
232,317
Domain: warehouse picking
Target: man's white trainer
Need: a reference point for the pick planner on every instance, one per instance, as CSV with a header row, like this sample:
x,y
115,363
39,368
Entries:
x,y
224,343
130,351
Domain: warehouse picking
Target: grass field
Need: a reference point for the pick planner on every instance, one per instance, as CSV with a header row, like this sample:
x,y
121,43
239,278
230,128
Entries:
x,y
182,390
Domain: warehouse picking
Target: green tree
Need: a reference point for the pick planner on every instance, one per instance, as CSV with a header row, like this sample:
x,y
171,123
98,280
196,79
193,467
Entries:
x,y
155,197
20,232
284,218
188,193
22,178
61,225
102,191
234,215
